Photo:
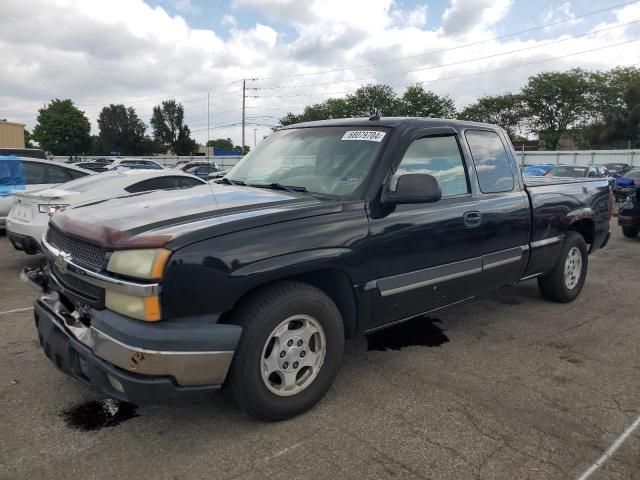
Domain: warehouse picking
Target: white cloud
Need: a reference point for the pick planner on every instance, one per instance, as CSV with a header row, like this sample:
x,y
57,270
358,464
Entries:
x,y
185,6
125,51
228,20
560,13
466,16
410,18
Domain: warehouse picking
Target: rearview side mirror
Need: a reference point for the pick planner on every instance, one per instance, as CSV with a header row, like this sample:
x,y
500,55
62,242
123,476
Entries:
x,y
414,188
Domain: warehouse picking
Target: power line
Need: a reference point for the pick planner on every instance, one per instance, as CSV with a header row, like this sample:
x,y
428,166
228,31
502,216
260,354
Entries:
x,y
434,52
460,62
467,74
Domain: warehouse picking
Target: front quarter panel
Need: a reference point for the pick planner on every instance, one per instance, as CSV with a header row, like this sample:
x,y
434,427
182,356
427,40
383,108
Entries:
x,y
209,276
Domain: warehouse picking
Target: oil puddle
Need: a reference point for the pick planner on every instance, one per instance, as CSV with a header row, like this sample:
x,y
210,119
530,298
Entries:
x,y
98,414
417,332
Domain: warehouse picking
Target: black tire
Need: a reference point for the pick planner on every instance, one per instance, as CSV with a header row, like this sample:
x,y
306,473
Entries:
x,y
258,316
552,285
631,232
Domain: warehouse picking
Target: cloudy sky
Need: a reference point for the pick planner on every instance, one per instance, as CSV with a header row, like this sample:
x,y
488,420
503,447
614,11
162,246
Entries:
x,y
296,52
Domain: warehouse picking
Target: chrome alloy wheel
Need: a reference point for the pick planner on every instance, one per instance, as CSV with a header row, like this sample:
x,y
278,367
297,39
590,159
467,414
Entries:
x,y
293,355
572,268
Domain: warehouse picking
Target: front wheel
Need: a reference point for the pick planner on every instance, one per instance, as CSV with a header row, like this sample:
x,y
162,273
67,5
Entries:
x,y
631,232
289,353
564,283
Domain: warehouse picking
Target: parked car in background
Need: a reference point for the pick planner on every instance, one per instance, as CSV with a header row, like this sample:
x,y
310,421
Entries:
x,y
617,169
187,164
24,152
326,231
134,163
537,170
18,174
629,215
627,184
94,166
202,170
30,213
578,171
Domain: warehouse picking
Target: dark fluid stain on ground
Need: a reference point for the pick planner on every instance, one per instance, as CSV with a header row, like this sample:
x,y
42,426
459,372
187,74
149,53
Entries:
x,y
94,415
417,332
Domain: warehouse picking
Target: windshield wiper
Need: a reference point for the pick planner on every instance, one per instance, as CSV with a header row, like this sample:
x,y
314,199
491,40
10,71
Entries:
x,y
228,181
279,186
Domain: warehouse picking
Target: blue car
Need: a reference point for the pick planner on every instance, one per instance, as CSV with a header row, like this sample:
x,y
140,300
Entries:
x,y
627,185
537,170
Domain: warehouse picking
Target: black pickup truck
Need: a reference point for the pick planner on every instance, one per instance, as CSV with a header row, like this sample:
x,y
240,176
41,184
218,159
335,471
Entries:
x,y
326,230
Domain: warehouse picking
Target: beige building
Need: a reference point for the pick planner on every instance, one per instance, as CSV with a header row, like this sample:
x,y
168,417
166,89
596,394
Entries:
x,y
11,135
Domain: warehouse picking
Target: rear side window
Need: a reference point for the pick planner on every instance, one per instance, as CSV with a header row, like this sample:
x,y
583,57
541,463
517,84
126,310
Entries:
x,y
73,174
491,160
437,156
35,173
162,183
57,174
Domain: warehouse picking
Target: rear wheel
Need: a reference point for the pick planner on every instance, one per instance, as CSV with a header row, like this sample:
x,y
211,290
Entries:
x,y
564,283
631,232
289,353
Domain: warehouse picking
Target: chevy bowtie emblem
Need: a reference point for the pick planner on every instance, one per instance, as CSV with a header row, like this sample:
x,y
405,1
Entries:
x,y
61,261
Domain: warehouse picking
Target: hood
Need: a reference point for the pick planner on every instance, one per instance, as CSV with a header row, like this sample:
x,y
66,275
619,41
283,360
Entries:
x,y
155,218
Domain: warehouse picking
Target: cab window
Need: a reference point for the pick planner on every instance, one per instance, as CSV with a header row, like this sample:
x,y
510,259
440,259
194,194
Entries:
x,y
492,162
437,156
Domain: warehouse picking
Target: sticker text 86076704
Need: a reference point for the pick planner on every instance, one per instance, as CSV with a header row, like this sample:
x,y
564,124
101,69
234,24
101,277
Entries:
x,y
368,135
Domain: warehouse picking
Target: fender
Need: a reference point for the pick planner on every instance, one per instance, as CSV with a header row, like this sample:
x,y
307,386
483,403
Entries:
x,y
297,262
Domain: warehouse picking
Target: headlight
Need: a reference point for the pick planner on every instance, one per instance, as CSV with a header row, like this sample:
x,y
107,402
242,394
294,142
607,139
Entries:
x,y
141,308
144,263
50,209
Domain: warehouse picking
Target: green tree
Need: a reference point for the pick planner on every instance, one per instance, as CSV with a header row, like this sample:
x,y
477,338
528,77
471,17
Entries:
x,y
27,139
507,111
418,102
169,128
557,102
62,129
372,100
121,130
221,144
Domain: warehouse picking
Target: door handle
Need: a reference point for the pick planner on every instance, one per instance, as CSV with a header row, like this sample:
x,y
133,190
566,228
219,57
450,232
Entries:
x,y
472,219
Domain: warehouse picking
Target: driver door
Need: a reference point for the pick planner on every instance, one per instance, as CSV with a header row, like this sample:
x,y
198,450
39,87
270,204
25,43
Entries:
x,y
428,255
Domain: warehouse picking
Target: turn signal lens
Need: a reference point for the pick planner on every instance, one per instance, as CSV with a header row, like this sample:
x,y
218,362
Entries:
x,y
140,308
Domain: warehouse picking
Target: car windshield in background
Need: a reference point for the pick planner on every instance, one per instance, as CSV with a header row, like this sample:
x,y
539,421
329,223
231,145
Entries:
x,y
326,160
569,171
633,174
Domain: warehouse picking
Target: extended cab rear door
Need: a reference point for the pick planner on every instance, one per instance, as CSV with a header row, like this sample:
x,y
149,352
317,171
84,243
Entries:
x,y
504,206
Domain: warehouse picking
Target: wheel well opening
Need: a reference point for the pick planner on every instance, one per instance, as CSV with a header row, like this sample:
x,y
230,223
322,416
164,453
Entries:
x,y
585,228
334,283
338,286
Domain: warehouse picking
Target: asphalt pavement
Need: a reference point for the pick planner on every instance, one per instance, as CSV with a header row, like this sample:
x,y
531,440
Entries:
x,y
506,386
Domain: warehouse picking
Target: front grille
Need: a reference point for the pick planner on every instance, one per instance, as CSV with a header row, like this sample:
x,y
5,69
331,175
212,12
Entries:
x,y
82,252
90,293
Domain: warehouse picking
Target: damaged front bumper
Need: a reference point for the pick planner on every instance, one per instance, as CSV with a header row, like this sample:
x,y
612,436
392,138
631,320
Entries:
x,y
128,359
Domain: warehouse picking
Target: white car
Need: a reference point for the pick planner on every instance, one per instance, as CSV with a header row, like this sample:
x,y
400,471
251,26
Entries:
x,y
29,216
25,174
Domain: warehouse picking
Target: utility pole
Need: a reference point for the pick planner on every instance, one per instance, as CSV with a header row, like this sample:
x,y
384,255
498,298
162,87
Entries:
x,y
244,96
208,127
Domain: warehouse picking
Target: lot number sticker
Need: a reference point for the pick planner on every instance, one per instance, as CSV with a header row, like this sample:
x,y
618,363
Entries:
x,y
367,135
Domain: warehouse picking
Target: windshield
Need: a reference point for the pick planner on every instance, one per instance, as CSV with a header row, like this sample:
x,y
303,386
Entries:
x,y
569,171
633,174
326,160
